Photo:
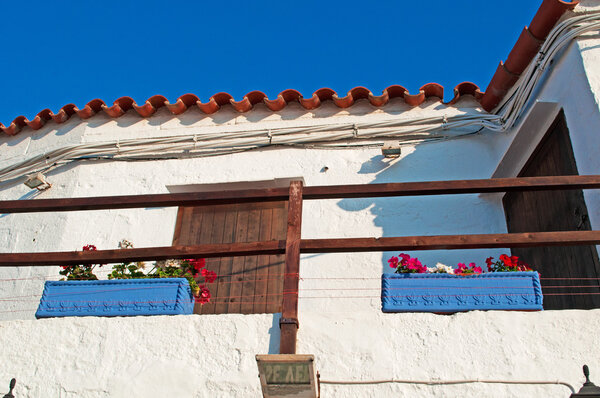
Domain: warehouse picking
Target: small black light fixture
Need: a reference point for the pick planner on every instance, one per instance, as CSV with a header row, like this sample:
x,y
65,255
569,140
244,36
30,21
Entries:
x,y
11,386
589,389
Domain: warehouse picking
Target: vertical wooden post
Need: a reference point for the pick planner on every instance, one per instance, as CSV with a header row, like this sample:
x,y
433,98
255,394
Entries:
x,y
289,306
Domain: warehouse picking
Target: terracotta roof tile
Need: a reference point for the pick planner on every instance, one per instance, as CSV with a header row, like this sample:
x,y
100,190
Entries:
x,y
524,50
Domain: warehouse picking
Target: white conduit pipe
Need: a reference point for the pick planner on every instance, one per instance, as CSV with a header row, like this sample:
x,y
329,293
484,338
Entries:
x,y
334,135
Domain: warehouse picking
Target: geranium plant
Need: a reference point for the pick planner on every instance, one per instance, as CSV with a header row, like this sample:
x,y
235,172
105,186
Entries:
x,y
506,264
470,270
404,263
191,268
80,272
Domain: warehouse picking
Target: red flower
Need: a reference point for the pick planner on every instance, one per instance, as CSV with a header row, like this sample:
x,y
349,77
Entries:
x,y
197,263
506,260
489,261
204,296
393,261
523,266
209,276
87,248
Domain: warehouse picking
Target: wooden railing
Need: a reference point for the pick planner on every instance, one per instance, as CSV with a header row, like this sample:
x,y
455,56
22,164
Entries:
x,y
293,245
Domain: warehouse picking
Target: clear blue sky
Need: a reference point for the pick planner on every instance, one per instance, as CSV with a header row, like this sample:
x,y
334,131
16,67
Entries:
x,y
54,53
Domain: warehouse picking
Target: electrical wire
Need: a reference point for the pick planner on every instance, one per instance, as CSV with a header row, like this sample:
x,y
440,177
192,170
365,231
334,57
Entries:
x,y
448,382
330,135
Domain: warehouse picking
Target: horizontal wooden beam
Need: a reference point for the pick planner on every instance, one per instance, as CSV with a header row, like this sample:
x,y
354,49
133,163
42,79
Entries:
x,y
451,242
343,245
140,201
453,187
142,254
316,192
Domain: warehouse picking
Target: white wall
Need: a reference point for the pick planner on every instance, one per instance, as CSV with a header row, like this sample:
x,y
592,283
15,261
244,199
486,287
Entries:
x,y
473,157
212,356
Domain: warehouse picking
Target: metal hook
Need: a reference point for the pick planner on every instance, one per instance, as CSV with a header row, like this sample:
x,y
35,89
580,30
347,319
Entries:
x,y
11,386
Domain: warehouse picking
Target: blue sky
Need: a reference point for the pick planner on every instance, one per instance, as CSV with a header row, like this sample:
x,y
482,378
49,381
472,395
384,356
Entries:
x,y
54,53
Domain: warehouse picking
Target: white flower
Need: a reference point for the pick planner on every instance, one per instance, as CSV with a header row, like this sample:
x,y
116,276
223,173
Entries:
x,y
441,269
172,263
125,244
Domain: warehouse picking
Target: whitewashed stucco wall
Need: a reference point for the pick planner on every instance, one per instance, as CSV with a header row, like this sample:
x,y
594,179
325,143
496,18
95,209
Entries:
x,y
214,355
473,157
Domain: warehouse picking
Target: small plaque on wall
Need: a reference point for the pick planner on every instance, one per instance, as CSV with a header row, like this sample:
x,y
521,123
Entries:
x,y
287,376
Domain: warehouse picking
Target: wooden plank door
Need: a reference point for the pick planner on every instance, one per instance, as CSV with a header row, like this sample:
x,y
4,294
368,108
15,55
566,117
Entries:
x,y
556,211
246,285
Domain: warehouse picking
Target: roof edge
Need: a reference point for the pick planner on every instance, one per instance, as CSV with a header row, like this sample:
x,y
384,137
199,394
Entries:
x,y
524,50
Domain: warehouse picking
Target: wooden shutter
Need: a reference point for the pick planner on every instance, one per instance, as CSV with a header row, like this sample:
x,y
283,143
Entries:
x,y
246,285
556,211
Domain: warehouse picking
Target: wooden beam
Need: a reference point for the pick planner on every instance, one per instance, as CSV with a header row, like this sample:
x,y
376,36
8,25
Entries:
x,y
142,254
343,245
289,306
317,192
453,187
450,242
139,201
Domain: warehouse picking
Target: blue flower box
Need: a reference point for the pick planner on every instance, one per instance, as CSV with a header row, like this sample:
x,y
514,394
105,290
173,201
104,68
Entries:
x,y
117,297
454,293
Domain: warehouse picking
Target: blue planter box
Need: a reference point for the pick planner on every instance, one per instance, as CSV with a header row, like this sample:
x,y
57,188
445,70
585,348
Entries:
x,y
117,297
454,293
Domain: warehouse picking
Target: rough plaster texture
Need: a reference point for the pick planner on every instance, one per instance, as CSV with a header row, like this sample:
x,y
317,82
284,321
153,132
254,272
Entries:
x,y
341,322
213,356
472,157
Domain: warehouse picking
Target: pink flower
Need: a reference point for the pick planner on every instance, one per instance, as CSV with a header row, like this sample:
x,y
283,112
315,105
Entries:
x,y
477,270
209,276
461,268
405,258
393,262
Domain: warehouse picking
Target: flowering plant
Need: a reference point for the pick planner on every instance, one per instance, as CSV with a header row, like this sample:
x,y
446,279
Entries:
x,y
407,264
190,268
440,269
506,264
471,269
80,272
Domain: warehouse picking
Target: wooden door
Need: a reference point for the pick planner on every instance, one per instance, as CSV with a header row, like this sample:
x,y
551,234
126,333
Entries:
x,y
246,285
556,211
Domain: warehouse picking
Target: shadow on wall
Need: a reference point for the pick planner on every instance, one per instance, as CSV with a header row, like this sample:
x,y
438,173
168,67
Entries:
x,y
467,158
274,334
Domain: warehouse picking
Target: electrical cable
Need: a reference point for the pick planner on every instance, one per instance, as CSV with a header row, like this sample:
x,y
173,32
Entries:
x,y
330,135
449,382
